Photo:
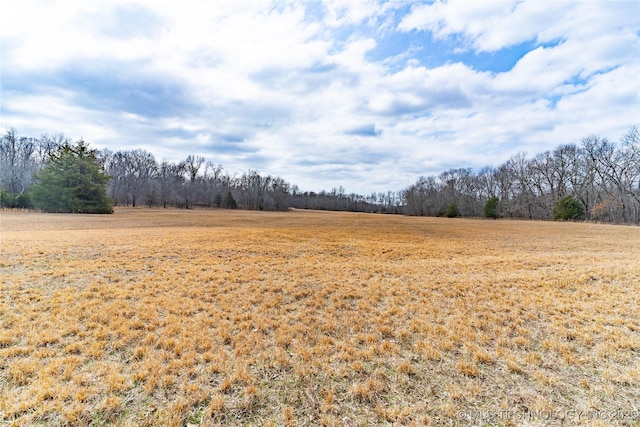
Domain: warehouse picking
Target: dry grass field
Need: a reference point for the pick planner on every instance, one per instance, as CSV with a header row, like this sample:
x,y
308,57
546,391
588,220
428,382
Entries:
x,y
172,317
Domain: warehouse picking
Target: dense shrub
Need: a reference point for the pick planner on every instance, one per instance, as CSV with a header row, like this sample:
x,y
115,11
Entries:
x,y
568,209
452,211
20,201
230,202
492,208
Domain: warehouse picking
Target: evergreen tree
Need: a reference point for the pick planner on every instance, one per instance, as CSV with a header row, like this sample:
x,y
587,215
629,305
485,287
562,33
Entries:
x,y
491,208
229,201
452,211
72,181
568,209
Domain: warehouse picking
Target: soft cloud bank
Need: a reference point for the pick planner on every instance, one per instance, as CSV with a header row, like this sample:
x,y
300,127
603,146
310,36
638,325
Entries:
x,y
364,94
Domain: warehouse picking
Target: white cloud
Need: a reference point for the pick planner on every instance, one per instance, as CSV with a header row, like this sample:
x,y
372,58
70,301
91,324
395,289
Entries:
x,y
489,26
347,12
474,20
291,88
52,112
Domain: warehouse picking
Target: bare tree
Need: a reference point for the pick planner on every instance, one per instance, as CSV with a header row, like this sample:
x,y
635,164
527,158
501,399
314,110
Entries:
x,y
132,173
169,181
18,162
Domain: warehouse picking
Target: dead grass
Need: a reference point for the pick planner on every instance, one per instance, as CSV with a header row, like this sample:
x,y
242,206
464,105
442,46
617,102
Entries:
x,y
167,317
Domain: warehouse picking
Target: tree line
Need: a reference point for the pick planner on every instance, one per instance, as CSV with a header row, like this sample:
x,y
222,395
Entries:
x,y
136,178
596,180
599,178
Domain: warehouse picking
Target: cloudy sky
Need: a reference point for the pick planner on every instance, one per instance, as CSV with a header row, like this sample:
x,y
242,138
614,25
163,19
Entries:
x,y
364,94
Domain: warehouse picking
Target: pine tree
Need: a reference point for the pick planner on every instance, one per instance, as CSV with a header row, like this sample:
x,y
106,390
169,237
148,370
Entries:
x,y
492,208
452,211
72,181
568,209
229,201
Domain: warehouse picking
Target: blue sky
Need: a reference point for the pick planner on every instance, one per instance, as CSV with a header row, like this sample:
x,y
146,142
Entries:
x,y
368,95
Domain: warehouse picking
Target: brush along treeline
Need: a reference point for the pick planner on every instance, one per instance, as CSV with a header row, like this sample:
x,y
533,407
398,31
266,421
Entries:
x,y
167,317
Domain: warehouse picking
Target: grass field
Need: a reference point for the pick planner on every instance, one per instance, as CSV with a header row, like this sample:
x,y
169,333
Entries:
x,y
172,317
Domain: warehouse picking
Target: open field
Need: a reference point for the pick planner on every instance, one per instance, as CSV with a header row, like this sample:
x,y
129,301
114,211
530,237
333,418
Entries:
x,y
168,317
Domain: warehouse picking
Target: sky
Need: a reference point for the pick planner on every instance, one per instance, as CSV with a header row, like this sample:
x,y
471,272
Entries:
x,y
367,95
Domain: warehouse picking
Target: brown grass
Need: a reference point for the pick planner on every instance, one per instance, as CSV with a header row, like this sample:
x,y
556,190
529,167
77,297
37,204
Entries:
x,y
167,317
